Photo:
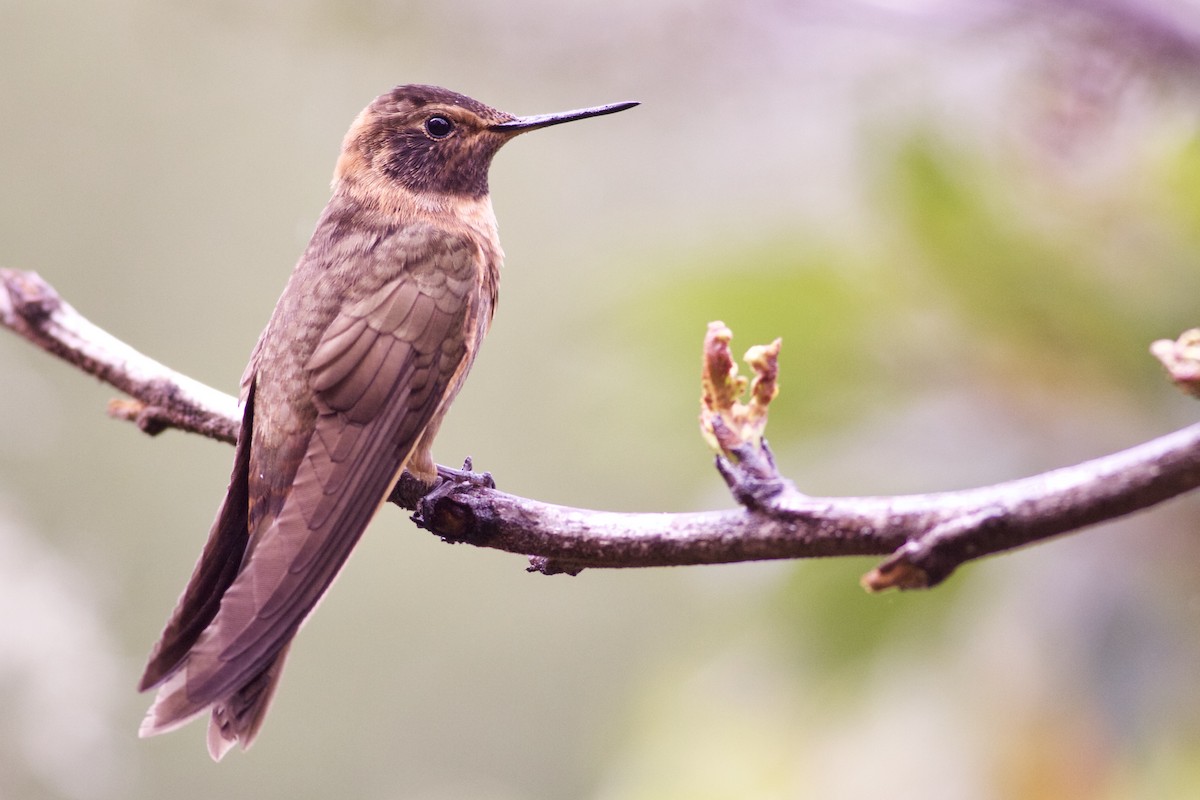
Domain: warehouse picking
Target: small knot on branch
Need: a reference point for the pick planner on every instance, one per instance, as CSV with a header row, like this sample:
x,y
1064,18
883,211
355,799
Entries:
x,y
29,295
896,573
927,560
148,418
553,566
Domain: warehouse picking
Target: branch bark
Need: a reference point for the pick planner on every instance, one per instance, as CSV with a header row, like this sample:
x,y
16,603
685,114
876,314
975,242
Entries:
x,y
924,536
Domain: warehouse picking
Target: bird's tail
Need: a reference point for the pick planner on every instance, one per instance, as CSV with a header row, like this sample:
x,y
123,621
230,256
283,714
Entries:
x,y
235,719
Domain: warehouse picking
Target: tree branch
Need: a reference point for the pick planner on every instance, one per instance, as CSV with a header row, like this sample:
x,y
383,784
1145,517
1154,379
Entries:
x,y
163,398
924,536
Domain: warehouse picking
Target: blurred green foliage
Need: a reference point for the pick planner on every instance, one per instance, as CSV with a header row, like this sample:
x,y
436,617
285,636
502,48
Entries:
x,y
820,306
1039,289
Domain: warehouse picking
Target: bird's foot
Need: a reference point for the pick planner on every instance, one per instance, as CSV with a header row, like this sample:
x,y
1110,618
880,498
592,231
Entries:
x,y
465,476
450,520
410,491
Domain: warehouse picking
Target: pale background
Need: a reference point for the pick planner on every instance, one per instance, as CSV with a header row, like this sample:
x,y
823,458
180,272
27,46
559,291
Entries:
x,y
966,219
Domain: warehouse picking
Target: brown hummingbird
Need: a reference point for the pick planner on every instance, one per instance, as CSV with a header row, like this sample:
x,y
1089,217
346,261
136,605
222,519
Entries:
x,y
367,347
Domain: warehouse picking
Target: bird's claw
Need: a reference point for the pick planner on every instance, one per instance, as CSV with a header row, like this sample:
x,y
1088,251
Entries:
x,y
463,477
450,520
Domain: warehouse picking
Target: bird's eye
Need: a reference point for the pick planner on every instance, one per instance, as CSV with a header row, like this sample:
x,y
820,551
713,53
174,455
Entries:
x,y
438,127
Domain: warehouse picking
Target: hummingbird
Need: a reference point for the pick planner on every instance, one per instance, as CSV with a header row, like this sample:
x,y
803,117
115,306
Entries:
x,y
368,345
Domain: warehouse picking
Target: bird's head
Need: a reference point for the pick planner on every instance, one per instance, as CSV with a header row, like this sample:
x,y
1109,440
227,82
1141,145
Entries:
x,y
429,140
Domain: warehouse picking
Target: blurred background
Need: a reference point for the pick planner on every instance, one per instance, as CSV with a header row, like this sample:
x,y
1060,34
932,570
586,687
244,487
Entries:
x,y
967,219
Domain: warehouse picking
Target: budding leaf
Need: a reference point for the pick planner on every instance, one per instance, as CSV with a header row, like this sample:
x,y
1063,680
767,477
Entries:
x,y
1181,359
726,422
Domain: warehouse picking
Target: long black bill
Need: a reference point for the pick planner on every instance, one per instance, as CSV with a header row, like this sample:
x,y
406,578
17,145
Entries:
x,y
522,124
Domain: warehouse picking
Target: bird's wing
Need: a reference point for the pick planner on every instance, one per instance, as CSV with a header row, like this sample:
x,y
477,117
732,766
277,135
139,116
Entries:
x,y
383,369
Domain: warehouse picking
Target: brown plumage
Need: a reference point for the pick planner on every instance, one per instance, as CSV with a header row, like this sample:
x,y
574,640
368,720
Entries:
x,y
367,347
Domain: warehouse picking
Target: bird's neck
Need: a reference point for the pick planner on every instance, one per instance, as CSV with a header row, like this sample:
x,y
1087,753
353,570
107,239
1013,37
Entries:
x,y
394,204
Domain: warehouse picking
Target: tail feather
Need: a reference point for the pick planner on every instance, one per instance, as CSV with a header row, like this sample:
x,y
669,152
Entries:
x,y
235,719
171,708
